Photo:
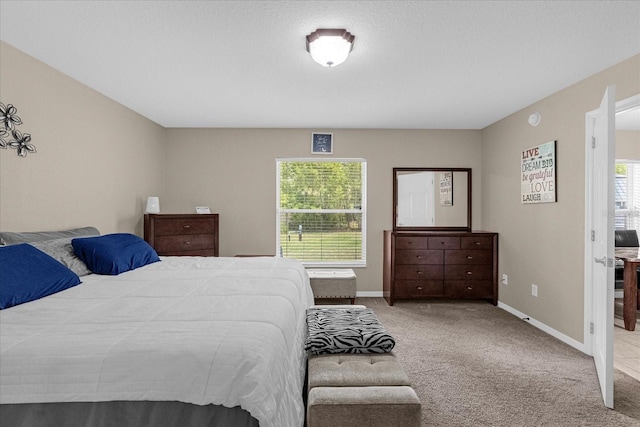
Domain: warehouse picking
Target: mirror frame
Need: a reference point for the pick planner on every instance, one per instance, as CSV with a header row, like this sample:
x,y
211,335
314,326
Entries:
x,y
397,227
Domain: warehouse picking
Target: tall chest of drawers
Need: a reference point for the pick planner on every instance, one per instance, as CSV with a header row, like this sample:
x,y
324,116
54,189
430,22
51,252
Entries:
x,y
451,265
182,234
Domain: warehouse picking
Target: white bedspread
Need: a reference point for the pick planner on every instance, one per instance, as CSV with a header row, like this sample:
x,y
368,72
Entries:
x,y
226,331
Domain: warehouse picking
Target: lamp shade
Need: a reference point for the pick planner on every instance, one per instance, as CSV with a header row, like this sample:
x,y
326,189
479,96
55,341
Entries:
x,y
330,47
153,205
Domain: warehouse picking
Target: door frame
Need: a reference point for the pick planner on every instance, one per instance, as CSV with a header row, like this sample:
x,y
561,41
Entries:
x,y
620,106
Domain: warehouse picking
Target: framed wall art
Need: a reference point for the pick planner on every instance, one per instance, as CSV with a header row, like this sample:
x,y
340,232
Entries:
x,y
446,189
321,143
538,167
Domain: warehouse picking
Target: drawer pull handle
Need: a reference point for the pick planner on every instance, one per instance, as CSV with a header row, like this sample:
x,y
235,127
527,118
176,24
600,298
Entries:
x,y
469,288
418,272
469,257
469,273
418,256
187,242
186,227
419,288
478,243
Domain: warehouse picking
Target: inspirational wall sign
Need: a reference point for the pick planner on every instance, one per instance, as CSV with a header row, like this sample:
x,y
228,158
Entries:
x,y
538,166
446,189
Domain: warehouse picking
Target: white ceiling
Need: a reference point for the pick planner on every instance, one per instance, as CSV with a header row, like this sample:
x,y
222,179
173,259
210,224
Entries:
x,y
415,64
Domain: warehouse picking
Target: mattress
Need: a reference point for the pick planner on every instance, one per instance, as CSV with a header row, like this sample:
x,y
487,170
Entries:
x,y
222,331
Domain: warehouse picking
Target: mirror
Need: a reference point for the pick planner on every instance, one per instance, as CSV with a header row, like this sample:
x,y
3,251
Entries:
x,y
432,199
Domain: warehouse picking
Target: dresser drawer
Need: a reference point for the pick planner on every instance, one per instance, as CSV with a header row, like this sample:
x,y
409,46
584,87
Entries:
x,y
468,272
419,257
468,288
410,242
468,256
173,226
418,288
174,244
418,272
444,242
476,242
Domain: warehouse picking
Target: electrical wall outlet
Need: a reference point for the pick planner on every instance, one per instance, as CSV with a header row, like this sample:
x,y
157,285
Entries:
x,y
505,279
534,290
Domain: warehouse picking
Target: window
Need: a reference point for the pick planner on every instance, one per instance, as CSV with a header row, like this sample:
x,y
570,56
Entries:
x,y
627,195
320,211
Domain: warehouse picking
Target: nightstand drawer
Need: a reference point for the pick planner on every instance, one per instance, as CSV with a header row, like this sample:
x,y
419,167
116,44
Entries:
x,y
181,226
198,252
191,242
182,234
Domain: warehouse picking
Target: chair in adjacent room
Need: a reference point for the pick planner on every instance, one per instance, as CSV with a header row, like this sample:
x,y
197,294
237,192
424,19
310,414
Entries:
x,y
624,239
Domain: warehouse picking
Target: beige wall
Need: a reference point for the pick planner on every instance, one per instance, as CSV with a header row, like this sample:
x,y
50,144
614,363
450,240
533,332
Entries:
x,y
233,172
628,144
454,215
543,244
96,160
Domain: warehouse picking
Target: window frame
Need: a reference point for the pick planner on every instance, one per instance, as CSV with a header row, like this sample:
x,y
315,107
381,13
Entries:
x,y
628,216
363,211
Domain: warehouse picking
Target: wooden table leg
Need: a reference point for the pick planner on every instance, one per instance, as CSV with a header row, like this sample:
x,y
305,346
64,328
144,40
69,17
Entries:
x,y
630,304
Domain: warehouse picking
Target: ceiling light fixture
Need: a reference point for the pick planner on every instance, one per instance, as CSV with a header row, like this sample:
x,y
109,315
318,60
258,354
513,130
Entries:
x,y
330,47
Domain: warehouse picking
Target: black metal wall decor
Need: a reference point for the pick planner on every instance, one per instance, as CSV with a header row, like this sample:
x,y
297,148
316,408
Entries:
x,y
8,122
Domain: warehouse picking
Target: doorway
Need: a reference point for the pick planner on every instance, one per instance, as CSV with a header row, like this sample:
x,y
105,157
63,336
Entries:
x,y
626,344
599,303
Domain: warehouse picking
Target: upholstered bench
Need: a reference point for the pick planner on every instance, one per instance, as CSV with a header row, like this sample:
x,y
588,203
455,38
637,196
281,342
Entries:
x,y
333,283
355,390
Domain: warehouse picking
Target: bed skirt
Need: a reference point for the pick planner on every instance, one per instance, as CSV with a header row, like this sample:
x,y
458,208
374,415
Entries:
x,y
123,414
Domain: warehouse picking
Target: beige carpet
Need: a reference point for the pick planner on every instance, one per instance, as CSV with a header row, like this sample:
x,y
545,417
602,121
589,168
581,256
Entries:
x,y
473,364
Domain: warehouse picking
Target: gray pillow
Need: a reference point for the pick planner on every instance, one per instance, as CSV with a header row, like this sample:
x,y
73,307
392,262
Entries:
x,y
61,250
12,238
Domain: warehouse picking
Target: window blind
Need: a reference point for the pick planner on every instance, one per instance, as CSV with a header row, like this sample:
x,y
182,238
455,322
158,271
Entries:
x,y
321,215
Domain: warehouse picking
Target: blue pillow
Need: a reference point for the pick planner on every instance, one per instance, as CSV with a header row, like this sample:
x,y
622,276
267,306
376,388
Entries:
x,y
27,274
113,254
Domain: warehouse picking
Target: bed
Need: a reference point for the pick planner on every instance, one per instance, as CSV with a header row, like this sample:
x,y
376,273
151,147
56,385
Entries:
x,y
188,341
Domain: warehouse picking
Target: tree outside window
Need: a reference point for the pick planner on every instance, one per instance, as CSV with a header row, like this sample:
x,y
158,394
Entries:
x,y
321,216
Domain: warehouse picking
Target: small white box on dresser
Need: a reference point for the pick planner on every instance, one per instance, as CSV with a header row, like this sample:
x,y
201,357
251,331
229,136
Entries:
x,y
333,283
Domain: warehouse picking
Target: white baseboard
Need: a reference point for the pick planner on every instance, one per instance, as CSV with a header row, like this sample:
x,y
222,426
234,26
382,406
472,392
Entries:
x,y
556,334
369,294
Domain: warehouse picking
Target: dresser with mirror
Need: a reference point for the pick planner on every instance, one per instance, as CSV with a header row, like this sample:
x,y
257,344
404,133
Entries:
x,y
432,252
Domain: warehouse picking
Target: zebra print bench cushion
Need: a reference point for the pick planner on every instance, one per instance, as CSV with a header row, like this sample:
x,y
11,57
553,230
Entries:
x,y
346,330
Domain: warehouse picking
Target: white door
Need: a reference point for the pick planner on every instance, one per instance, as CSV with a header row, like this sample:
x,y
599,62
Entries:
x,y
600,135
415,199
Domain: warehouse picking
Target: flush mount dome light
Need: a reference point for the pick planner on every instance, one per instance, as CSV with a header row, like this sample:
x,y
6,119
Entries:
x,y
330,47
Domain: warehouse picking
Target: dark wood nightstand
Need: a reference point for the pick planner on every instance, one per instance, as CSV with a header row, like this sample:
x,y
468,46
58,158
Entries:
x,y
182,234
